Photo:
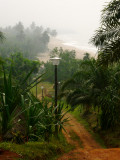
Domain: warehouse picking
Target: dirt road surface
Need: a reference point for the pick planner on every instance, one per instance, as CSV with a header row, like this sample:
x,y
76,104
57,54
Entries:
x,y
7,155
88,149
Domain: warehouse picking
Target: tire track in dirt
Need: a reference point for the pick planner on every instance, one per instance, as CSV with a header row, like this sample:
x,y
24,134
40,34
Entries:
x,y
91,149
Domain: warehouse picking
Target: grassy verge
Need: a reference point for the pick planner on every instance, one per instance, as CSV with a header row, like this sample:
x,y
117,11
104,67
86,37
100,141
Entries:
x,y
111,138
48,89
77,114
75,137
39,150
107,138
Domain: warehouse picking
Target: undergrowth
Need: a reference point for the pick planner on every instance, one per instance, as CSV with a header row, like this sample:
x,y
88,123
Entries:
x,y
39,150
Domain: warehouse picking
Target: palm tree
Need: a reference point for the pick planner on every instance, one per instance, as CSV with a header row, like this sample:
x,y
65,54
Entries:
x,y
107,37
86,85
88,88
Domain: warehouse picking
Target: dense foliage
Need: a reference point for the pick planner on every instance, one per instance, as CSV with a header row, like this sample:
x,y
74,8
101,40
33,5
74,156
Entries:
x,y
97,83
107,37
21,66
96,87
67,67
23,117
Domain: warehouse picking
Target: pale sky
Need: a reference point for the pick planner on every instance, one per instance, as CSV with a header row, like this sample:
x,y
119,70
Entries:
x,y
81,17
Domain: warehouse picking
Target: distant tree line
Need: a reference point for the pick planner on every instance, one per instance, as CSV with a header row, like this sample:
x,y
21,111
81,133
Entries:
x,y
67,67
30,41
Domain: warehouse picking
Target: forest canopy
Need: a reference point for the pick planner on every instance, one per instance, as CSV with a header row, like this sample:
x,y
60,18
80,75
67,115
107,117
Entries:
x,y
30,41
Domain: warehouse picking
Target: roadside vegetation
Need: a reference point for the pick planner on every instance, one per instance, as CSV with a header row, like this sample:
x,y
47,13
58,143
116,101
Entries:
x,y
89,122
28,121
96,85
39,150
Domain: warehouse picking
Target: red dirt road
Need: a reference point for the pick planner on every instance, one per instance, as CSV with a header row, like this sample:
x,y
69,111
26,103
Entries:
x,y
91,149
7,155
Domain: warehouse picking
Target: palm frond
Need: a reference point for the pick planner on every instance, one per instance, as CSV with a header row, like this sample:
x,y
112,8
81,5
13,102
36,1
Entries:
x,y
81,100
103,36
111,14
110,53
67,84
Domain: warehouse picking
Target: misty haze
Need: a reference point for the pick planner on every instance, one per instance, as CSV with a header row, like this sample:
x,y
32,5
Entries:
x,y
74,21
60,79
